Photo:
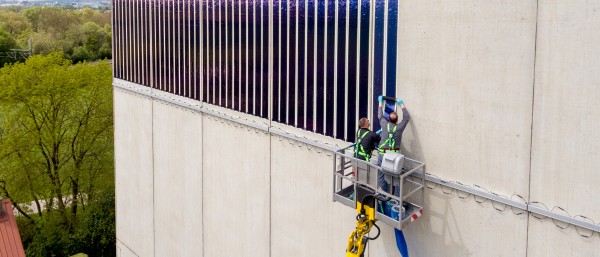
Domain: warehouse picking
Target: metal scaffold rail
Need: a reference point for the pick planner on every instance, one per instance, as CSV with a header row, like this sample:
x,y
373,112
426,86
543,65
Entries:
x,y
510,202
18,54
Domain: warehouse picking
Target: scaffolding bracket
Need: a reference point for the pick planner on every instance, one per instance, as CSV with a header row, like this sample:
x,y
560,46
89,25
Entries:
x,y
510,202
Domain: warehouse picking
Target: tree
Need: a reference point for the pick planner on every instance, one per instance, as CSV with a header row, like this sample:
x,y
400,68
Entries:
x,y
33,15
55,136
7,42
14,23
53,20
91,42
82,35
96,16
95,233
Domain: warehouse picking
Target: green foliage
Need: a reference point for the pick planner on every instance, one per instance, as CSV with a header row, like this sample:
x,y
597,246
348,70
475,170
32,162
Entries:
x,y
56,148
91,42
14,23
82,35
53,20
94,233
7,42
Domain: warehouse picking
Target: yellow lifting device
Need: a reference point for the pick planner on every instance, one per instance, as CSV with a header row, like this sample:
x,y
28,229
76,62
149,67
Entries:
x,y
365,220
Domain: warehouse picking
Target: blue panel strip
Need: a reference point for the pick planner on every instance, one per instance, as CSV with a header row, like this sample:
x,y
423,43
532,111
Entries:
x,y
330,66
276,63
265,64
284,61
341,66
244,55
378,55
364,60
352,67
233,53
301,51
292,63
311,69
320,65
392,49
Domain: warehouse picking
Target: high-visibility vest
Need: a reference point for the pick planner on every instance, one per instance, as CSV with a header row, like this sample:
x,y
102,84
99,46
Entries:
x,y
359,150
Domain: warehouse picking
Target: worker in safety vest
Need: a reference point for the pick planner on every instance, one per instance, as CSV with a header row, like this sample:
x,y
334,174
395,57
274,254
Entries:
x,y
391,133
366,140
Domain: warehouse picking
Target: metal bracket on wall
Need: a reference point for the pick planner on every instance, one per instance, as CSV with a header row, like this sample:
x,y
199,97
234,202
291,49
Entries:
x,y
563,218
278,132
523,206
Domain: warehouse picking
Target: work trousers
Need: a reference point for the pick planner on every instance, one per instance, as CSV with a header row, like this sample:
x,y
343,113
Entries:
x,y
382,184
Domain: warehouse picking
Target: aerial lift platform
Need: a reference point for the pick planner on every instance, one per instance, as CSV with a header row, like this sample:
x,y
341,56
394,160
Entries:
x,y
351,175
356,185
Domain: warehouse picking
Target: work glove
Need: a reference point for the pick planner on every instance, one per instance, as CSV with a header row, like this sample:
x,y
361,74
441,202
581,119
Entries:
x,y
399,101
379,132
380,99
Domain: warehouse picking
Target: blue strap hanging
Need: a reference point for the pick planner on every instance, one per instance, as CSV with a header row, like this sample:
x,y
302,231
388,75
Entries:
x,y
390,107
401,243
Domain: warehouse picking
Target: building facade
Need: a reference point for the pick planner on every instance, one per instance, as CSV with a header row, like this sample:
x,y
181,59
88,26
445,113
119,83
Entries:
x,y
314,65
226,113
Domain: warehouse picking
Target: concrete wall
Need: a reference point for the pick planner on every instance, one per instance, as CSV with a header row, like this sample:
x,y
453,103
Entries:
x,y
236,189
304,220
178,180
134,172
566,128
466,74
503,94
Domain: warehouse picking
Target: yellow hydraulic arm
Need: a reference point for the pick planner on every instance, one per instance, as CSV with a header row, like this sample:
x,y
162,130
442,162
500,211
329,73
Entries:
x,y
365,220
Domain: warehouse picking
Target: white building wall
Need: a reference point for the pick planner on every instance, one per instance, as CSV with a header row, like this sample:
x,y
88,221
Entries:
x,y
502,94
566,127
236,195
451,226
177,141
304,220
134,172
466,76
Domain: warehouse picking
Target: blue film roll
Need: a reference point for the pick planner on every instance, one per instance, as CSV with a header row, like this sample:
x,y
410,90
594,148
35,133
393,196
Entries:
x,y
395,211
388,206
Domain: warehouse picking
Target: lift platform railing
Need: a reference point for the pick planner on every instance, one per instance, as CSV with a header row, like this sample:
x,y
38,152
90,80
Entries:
x,y
349,173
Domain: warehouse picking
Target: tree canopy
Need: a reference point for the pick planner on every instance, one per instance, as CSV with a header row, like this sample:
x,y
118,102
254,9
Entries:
x,y
82,35
56,149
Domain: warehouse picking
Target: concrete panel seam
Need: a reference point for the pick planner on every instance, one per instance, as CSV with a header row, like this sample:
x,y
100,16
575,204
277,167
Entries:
x,y
129,248
270,193
537,7
202,190
153,191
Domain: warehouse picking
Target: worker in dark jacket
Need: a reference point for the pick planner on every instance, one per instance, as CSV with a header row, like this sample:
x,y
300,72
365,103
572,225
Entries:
x,y
391,133
366,140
